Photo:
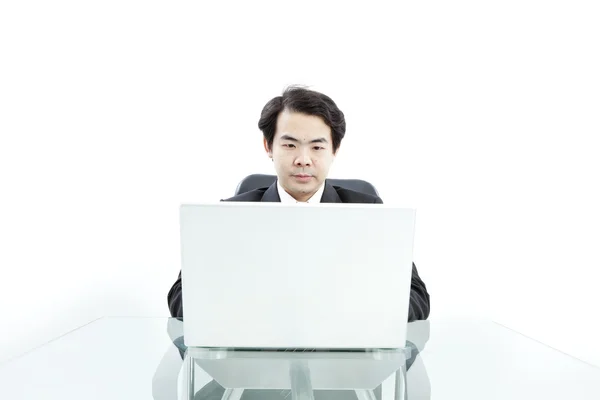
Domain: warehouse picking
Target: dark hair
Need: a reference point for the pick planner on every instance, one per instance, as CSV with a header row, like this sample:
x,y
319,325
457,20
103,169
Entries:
x,y
305,101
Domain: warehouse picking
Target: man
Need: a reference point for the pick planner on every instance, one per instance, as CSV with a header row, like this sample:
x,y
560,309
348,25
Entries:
x,y
302,132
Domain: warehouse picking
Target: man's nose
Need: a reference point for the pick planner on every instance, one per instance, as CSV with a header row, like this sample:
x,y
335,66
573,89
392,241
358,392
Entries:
x,y
303,159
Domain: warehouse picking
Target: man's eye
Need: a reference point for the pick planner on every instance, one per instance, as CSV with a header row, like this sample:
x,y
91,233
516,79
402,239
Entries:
x,y
318,148
289,145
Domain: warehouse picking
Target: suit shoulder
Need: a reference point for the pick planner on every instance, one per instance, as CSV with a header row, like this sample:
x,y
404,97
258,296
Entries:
x,y
352,196
253,195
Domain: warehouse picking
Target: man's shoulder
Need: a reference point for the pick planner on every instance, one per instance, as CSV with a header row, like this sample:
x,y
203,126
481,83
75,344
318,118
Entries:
x,y
253,195
352,196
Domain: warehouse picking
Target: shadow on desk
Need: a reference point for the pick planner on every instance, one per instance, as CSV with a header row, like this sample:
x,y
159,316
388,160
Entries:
x,y
166,383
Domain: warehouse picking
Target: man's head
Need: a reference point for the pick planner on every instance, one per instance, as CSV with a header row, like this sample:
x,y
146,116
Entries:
x,y
302,131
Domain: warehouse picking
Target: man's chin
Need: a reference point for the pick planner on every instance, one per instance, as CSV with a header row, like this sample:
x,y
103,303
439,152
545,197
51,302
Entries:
x,y
303,188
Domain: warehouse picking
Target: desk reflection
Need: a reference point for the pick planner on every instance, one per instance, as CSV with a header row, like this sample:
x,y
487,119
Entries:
x,y
169,378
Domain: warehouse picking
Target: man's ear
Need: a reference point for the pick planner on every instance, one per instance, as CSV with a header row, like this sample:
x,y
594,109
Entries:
x,y
267,149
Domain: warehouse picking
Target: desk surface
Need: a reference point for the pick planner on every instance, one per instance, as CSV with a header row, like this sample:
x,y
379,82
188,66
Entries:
x,y
139,358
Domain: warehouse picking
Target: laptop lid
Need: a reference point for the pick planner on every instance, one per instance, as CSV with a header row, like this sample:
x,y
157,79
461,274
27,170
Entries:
x,y
273,275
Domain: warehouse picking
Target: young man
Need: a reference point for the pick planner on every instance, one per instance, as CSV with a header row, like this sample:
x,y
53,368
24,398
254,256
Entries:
x,y
302,132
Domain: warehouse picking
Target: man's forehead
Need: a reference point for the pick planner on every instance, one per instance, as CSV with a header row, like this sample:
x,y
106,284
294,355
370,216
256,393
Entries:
x,y
302,127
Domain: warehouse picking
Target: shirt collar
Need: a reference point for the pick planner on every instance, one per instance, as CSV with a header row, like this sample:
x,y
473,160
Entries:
x,y
287,198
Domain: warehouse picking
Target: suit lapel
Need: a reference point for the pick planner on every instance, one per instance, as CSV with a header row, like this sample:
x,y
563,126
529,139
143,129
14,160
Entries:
x,y
330,194
271,194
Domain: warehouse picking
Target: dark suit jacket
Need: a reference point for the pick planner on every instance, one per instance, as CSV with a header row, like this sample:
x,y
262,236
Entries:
x,y
419,298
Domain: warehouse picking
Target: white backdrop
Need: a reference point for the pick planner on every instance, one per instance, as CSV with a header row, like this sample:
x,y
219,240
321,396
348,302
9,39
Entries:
x,y
483,117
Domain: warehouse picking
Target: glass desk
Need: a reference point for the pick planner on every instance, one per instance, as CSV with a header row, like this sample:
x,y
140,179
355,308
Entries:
x,y
144,358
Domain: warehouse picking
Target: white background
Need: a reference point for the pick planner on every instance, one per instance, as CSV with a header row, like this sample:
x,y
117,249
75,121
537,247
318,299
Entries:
x,y
485,117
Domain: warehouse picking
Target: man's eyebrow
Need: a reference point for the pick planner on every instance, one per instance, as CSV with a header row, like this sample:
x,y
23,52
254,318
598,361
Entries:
x,y
293,139
290,138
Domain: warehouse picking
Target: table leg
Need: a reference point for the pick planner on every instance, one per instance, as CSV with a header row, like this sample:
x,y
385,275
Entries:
x,y
401,387
300,380
232,394
188,377
363,394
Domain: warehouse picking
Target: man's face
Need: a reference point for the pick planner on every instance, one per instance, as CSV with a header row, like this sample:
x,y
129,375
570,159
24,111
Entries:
x,y
302,152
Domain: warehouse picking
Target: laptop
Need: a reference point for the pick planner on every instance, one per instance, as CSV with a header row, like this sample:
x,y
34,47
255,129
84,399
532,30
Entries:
x,y
302,276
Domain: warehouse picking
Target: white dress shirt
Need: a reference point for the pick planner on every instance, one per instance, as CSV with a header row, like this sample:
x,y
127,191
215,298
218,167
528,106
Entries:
x,y
287,198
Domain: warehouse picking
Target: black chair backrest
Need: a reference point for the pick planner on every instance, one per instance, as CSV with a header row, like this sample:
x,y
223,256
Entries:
x,y
256,181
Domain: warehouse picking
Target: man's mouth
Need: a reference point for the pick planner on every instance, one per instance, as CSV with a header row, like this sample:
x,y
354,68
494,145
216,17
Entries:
x,y
302,177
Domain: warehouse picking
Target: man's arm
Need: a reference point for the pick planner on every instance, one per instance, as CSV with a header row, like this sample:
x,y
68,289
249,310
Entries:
x,y
419,297
174,299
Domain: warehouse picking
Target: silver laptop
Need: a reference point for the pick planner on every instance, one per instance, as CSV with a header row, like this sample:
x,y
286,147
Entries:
x,y
318,276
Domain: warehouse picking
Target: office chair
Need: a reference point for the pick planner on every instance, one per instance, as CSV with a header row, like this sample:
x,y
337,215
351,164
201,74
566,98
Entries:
x,y
256,181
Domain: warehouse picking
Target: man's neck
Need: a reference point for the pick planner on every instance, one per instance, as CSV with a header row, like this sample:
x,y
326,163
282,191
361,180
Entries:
x,y
287,197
